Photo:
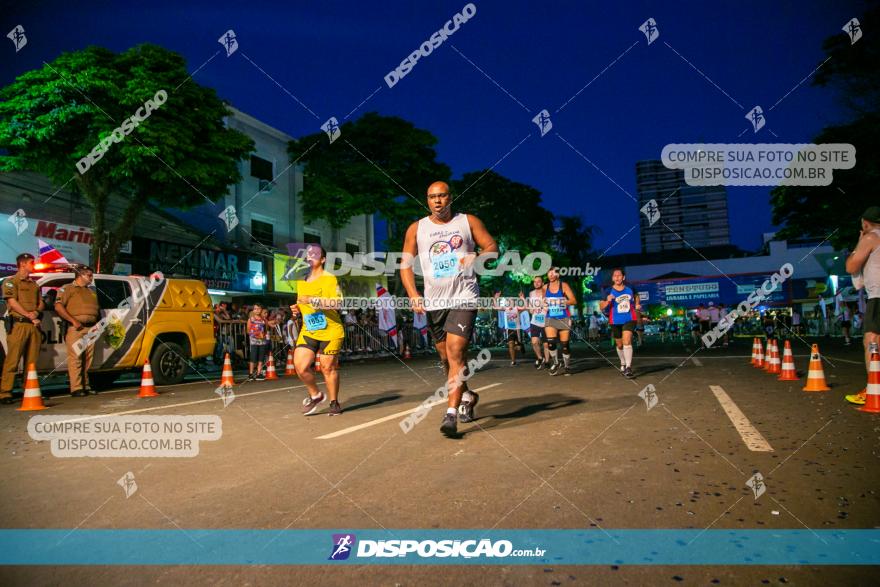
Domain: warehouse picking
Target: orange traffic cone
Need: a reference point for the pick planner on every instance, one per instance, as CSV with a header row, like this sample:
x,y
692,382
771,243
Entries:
x,y
789,373
270,368
148,389
776,363
756,347
289,369
407,354
317,363
815,374
33,399
872,398
227,379
759,359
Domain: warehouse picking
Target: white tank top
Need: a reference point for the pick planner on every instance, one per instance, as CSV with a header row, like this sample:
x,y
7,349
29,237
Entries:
x,y
539,317
871,271
441,247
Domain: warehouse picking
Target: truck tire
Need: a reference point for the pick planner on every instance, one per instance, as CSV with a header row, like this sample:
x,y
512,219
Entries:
x,y
102,381
169,363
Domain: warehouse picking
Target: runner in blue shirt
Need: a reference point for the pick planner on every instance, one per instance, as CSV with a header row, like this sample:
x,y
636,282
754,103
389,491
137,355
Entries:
x,y
623,307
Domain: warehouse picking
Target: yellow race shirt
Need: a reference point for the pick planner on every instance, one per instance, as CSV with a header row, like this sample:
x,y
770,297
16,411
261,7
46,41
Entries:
x,y
320,324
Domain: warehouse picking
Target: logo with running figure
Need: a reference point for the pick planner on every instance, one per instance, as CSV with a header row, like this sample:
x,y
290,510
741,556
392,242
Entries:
x,y
651,211
756,117
331,127
18,38
343,544
229,42
650,30
542,119
756,484
854,30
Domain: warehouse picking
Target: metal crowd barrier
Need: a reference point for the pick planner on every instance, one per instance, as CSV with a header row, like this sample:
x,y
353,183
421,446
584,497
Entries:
x,y
369,340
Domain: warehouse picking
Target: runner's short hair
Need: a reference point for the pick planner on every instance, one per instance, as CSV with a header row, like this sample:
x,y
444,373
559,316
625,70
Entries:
x,y
613,269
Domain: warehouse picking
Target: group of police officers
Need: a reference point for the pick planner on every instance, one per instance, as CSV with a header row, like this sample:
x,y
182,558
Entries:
x,y
76,304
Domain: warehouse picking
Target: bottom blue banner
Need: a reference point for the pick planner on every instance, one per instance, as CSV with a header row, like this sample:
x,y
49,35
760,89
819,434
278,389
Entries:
x,y
439,547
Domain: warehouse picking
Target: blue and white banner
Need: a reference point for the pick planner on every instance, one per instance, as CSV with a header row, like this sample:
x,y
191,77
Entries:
x,y
439,547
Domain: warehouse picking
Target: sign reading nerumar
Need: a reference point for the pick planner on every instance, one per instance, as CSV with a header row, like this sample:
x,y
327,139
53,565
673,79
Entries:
x,y
203,264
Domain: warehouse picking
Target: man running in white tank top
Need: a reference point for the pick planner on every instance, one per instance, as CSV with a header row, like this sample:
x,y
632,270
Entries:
x,y
864,265
446,246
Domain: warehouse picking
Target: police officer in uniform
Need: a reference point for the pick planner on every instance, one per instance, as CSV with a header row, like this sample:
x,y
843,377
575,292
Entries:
x,y
78,305
23,303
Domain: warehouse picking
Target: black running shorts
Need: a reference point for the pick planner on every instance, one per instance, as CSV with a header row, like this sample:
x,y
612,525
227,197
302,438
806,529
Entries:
x,y
872,316
617,330
456,321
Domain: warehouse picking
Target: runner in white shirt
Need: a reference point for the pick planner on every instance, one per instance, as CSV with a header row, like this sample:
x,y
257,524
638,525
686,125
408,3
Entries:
x,y
536,325
446,244
864,265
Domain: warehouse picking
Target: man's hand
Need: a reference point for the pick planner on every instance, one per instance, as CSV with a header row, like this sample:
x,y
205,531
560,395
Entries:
x,y
77,325
610,298
417,303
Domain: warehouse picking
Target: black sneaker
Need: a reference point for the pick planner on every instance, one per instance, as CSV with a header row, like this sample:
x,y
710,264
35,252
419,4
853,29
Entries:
x,y
79,393
311,406
335,408
7,400
466,409
628,373
250,377
539,364
513,363
449,427
567,372
554,369
260,376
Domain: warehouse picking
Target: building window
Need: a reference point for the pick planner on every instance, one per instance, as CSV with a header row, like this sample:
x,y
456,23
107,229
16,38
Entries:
x,y
261,168
261,232
311,237
352,248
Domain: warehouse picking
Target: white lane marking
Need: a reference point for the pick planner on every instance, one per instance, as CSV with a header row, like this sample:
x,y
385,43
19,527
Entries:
x,y
750,435
390,417
841,360
696,362
159,387
165,407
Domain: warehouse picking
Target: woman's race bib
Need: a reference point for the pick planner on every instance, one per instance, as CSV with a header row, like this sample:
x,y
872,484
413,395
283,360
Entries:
x,y
315,321
622,304
556,308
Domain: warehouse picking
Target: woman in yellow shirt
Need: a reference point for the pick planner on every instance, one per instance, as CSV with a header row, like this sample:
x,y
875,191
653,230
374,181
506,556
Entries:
x,y
318,297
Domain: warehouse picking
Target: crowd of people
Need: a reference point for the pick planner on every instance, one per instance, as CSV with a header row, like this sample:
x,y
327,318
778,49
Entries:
x,y
446,244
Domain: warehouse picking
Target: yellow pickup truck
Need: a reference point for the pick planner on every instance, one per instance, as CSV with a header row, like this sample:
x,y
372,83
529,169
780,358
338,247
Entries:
x,y
168,321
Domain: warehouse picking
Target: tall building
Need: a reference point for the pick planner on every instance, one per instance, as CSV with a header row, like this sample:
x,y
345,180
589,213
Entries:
x,y
689,215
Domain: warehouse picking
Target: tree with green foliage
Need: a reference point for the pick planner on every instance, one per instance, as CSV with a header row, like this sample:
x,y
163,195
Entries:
x,y
513,214
832,211
574,243
180,155
377,165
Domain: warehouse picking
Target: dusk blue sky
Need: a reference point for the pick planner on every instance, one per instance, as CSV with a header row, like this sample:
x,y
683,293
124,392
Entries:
x,y
334,55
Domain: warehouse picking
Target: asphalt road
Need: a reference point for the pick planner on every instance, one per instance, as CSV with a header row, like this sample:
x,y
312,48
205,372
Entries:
x,y
546,452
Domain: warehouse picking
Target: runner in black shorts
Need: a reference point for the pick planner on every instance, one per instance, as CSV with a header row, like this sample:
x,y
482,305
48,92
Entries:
x,y
445,245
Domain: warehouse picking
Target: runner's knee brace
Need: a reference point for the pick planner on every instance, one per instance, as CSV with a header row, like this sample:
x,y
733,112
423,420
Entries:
x,y
551,344
565,348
